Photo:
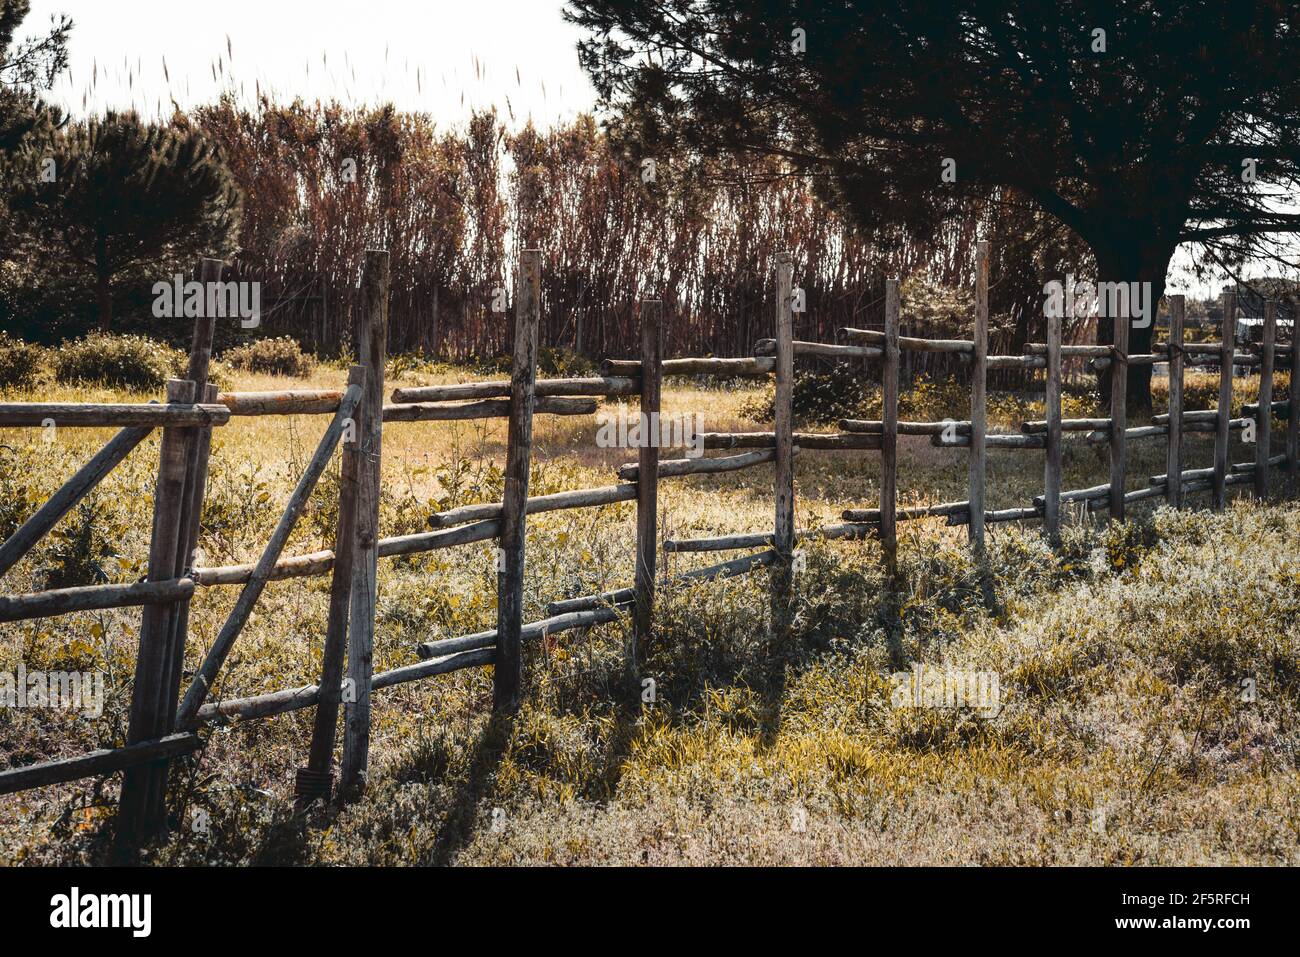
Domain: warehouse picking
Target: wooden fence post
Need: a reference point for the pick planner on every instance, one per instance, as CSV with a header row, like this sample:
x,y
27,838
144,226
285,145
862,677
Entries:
x,y
647,501
889,434
1264,415
783,537
372,352
508,673
199,450
140,818
1293,412
1227,347
1174,448
978,407
1118,413
1052,462
313,782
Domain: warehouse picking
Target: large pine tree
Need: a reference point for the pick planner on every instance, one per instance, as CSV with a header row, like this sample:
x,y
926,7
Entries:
x,y
123,195
1136,125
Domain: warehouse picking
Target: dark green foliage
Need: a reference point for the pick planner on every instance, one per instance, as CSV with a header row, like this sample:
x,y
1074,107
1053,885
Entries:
x,y
77,547
132,362
823,397
129,201
1127,127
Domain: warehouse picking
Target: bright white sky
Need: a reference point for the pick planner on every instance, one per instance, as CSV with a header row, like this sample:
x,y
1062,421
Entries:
x,y
443,57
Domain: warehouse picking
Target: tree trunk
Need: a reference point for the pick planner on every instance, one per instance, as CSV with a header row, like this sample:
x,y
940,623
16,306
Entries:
x,y
103,287
104,299
1145,262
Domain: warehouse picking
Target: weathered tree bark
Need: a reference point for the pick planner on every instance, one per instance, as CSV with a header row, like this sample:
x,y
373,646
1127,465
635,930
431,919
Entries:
x,y
103,295
1145,259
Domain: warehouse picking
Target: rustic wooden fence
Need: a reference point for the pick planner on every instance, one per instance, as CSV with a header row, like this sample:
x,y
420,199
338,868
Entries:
x,y
164,724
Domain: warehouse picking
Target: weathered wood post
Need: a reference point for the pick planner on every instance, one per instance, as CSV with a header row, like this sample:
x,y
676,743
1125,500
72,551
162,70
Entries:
x,y
198,452
140,817
1293,412
978,407
314,781
508,673
1264,415
1222,433
783,536
372,352
1052,461
889,434
647,500
1174,448
1118,411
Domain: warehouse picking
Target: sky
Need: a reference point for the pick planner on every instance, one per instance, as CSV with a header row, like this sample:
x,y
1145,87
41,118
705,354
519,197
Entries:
x,y
444,57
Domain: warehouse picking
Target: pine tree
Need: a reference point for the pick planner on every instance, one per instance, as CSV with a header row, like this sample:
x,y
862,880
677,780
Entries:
x,y
25,70
125,196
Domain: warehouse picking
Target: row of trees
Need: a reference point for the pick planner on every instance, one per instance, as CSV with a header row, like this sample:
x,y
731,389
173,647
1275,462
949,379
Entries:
x,y
868,139
297,193
98,211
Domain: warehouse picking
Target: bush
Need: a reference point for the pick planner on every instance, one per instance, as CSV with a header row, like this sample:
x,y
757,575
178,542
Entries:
x,y
821,398
20,362
556,363
278,356
130,362
552,363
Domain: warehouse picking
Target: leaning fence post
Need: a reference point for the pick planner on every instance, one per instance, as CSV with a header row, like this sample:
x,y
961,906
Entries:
x,y
1227,347
1118,414
889,433
372,350
1174,448
199,449
140,817
508,673
1293,411
978,409
1052,462
313,781
647,500
1264,414
783,537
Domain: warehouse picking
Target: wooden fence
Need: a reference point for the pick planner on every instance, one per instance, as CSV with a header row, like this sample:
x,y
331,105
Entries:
x,y
164,724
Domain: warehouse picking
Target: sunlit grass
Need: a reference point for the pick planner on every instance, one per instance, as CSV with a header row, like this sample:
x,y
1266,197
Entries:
x,y
1120,655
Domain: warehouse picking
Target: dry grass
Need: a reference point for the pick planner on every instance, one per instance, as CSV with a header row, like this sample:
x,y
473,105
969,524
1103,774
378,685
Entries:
x,y
1120,657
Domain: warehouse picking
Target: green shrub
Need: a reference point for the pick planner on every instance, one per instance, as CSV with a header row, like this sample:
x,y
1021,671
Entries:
x,y
20,362
552,363
130,362
277,356
558,363
79,546
821,398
